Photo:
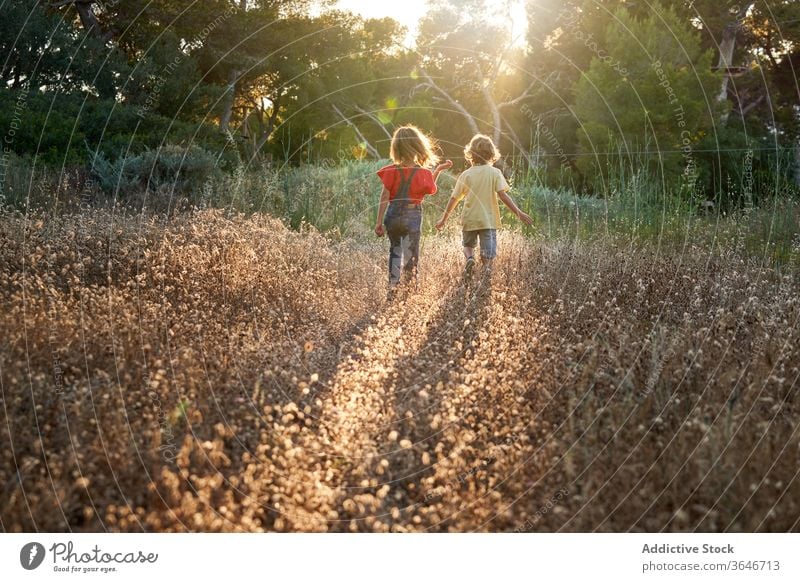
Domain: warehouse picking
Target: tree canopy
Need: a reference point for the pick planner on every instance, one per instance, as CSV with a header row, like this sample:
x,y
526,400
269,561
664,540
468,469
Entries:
x,y
681,87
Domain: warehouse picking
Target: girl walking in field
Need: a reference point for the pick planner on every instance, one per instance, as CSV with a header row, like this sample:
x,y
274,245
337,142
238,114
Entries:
x,y
405,185
481,186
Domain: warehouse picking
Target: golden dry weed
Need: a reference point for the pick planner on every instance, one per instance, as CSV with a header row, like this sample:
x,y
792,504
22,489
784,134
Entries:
x,y
227,374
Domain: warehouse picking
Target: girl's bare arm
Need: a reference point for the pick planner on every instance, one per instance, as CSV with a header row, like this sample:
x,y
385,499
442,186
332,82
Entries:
x,y
440,168
379,230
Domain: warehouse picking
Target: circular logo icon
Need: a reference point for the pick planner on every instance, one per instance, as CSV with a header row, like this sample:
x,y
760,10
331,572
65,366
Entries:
x,y
31,555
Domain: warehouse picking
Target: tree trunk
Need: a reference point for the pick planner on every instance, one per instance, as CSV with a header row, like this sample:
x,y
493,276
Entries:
x,y
376,120
371,150
88,19
518,143
227,104
797,162
473,125
265,135
727,46
230,92
497,131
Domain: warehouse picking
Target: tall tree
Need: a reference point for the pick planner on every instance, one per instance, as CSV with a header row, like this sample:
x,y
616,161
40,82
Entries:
x,y
652,88
26,32
471,66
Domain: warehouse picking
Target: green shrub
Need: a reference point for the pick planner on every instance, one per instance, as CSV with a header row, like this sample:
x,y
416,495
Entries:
x,y
171,169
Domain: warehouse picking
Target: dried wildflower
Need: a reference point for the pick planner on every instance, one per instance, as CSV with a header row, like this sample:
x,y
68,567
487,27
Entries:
x,y
201,411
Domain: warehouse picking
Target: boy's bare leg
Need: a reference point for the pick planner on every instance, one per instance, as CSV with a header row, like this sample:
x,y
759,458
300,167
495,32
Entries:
x,y
469,252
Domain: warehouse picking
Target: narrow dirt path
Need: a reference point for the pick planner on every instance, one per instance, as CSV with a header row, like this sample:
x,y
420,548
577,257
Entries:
x,y
406,435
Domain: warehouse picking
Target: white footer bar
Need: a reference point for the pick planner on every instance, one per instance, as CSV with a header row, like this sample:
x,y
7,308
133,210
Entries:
x,y
400,557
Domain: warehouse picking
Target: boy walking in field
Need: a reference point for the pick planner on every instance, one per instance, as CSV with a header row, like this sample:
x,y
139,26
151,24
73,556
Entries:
x,y
480,187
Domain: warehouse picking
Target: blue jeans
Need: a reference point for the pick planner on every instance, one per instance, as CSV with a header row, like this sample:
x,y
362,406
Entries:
x,y
403,223
488,238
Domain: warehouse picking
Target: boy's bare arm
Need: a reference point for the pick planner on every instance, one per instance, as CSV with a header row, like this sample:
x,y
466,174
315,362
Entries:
x,y
503,195
451,204
379,229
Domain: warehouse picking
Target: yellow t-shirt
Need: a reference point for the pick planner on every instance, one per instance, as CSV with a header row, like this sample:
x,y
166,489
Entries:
x,y
480,185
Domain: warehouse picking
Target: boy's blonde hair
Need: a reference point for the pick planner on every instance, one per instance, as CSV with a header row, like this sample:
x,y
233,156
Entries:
x,y
481,150
411,146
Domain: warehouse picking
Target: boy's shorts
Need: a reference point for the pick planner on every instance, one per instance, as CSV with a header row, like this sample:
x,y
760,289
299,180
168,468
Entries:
x,y
488,238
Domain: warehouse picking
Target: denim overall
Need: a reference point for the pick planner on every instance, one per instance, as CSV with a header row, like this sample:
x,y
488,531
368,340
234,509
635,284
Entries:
x,y
403,222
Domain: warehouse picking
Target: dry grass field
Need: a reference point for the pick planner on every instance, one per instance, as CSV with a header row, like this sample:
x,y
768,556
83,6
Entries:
x,y
228,374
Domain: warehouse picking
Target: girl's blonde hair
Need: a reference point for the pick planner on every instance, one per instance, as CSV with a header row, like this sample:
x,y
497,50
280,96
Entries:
x,y
411,146
481,150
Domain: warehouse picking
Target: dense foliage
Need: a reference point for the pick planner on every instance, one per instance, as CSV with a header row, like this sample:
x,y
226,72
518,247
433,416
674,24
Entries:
x,y
701,96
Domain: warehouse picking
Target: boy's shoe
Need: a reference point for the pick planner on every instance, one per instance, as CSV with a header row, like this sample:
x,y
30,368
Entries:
x,y
469,268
